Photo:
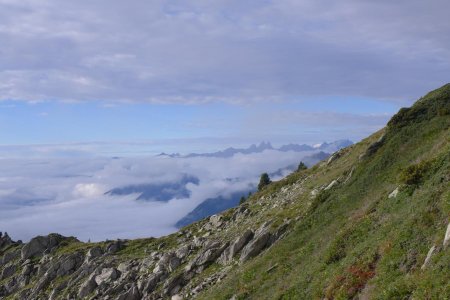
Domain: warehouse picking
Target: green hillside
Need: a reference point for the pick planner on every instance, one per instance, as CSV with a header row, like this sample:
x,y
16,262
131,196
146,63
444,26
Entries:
x,y
359,225
355,240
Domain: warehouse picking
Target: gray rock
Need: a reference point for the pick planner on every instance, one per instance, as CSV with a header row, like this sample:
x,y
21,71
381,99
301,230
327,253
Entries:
x,y
93,253
149,284
216,220
280,231
38,245
8,271
124,267
255,246
69,264
160,267
132,294
87,287
428,258
198,241
208,255
394,193
173,285
447,237
183,252
236,246
107,275
10,256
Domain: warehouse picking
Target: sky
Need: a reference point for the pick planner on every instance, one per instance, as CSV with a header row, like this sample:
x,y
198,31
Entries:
x,y
190,75
91,90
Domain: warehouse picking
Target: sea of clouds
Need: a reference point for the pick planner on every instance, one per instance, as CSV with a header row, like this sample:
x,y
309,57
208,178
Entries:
x,y
66,195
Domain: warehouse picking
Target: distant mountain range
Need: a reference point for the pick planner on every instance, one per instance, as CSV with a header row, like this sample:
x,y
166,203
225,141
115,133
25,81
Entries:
x,y
161,192
166,191
263,146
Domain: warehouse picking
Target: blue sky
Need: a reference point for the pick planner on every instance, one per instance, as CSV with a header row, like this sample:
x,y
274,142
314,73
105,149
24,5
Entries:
x,y
214,124
203,75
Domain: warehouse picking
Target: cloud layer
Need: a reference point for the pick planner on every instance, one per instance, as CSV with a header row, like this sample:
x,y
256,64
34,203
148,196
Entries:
x,y
233,51
67,195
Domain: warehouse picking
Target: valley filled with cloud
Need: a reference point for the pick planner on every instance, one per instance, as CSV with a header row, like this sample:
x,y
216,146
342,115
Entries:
x,y
97,198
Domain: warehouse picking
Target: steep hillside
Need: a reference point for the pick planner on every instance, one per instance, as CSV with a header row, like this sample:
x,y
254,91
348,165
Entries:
x,y
371,222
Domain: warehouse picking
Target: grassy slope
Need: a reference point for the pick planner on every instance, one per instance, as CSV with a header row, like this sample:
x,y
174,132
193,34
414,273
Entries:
x,y
354,240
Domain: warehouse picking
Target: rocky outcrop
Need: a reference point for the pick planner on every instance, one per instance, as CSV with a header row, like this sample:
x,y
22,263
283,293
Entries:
x,y
236,246
5,240
257,244
107,275
88,286
207,255
40,244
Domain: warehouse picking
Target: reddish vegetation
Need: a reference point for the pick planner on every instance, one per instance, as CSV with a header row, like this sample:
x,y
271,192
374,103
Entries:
x,y
352,281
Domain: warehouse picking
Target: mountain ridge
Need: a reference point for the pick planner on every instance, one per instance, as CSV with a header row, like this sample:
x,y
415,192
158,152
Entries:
x,y
263,146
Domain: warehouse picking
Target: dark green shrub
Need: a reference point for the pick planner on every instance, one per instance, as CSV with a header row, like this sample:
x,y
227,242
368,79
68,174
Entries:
x,y
414,174
301,167
264,181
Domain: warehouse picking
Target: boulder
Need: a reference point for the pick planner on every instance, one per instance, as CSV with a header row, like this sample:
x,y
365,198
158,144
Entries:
x,y
69,264
149,284
132,294
87,287
38,245
236,246
107,275
169,261
394,193
8,272
257,244
183,252
10,256
208,255
124,267
216,220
